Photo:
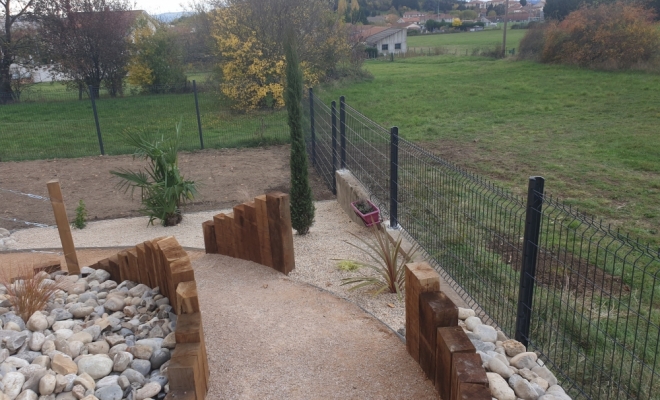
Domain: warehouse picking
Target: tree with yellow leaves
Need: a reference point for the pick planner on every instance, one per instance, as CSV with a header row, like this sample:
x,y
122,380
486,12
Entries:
x,y
250,36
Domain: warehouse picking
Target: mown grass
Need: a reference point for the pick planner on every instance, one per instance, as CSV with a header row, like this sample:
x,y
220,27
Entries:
x,y
54,123
591,134
460,42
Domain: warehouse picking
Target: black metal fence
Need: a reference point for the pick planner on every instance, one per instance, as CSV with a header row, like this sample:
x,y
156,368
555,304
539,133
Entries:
x,y
580,294
51,122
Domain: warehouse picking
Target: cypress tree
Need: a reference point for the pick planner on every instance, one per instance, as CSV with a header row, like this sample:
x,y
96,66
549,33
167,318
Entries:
x,y
302,204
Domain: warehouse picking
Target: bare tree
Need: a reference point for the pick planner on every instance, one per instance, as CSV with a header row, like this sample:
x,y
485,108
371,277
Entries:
x,y
11,13
89,40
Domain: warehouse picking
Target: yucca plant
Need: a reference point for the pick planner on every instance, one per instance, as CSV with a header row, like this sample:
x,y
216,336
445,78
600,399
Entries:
x,y
163,189
26,291
389,263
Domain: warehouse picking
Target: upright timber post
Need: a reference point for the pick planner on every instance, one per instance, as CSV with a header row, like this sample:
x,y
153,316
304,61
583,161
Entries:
x,y
56,200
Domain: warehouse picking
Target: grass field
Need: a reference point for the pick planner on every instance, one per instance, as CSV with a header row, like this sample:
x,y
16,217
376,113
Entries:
x,y
466,40
57,124
592,135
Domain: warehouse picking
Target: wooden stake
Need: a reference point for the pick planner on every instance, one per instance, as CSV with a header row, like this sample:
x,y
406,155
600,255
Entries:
x,y
210,242
466,368
450,341
187,298
63,227
280,231
262,229
251,233
435,311
420,278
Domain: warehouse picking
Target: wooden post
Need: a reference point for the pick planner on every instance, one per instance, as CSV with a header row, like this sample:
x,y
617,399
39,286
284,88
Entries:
x,y
240,233
473,391
115,273
420,278
224,234
262,229
186,370
133,266
153,255
466,368
251,233
436,310
187,298
63,227
124,269
210,243
280,232
450,341
143,265
189,330
177,267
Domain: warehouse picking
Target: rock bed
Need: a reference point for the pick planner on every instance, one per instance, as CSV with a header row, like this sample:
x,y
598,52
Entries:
x,y
96,339
513,372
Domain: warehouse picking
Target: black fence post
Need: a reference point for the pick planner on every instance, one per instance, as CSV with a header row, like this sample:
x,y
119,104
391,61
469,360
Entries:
x,y
342,130
529,258
311,120
394,176
92,95
334,147
199,120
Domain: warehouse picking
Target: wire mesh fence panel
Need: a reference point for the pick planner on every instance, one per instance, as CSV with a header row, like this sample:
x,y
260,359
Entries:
x,y
596,313
152,114
367,152
469,227
321,154
223,128
37,140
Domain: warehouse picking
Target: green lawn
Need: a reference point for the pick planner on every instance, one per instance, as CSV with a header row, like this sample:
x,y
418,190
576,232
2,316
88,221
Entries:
x,y
60,125
466,40
592,135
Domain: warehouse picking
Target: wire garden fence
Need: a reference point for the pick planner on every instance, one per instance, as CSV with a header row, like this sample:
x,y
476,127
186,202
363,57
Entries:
x,y
580,294
59,123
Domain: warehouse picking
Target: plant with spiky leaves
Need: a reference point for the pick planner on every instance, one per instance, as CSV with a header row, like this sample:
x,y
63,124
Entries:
x,y
163,188
389,263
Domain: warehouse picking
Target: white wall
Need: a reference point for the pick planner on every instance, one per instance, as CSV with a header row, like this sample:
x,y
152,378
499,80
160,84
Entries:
x,y
390,41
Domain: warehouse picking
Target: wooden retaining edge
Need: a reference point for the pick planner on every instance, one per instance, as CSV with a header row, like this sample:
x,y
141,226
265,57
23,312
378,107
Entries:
x,y
164,263
258,231
434,339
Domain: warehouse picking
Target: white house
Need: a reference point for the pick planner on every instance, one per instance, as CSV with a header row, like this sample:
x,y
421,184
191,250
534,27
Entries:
x,y
392,40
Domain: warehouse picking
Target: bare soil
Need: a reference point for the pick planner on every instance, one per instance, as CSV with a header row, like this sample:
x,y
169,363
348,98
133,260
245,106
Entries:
x,y
226,177
563,271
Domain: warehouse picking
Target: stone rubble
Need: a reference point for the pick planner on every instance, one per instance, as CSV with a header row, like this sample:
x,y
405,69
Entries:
x,y
513,372
95,340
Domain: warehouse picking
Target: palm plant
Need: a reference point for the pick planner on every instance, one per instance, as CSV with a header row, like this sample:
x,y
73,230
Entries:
x,y
163,189
389,263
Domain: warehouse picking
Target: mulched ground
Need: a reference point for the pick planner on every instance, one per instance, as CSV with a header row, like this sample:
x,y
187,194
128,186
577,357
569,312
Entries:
x,y
226,177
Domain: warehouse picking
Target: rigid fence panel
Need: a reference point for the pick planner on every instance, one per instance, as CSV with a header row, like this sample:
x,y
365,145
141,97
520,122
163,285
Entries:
x,y
586,301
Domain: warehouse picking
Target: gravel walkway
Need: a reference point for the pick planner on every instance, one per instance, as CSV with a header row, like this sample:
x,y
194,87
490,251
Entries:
x,y
271,337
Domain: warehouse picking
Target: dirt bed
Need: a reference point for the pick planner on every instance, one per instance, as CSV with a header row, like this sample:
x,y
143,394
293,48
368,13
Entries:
x,y
227,177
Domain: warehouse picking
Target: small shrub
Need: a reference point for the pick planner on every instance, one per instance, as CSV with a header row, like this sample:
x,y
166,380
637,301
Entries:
x,y
389,264
348,265
28,292
81,216
163,189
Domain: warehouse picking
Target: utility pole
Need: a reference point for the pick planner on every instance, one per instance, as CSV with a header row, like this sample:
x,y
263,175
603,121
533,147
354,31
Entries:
x,y
506,15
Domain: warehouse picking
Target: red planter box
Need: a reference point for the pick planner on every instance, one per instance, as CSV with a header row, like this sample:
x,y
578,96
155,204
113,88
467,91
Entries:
x,y
370,218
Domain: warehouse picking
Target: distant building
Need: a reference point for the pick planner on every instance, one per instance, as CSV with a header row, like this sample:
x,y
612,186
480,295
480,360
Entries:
x,y
392,40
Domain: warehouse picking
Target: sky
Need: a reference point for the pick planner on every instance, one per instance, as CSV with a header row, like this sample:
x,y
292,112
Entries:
x,y
160,6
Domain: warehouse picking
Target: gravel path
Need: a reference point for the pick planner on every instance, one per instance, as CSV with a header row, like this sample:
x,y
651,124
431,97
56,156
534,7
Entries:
x,y
271,337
